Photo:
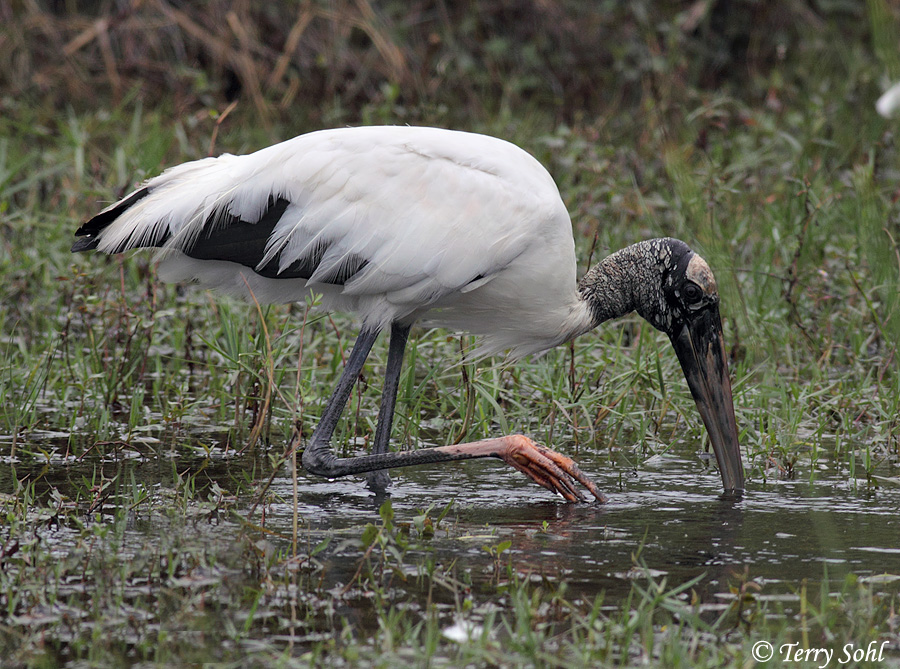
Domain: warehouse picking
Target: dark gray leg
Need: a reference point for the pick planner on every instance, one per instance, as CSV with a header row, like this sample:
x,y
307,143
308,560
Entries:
x,y
318,457
379,480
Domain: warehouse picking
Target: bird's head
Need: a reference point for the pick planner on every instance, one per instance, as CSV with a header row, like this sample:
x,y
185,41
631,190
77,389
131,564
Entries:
x,y
684,286
689,315
674,289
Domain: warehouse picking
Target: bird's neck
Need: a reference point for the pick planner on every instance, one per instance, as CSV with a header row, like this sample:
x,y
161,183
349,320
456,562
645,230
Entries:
x,y
628,280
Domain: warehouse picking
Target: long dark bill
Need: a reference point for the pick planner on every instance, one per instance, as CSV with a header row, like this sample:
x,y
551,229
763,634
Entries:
x,y
701,352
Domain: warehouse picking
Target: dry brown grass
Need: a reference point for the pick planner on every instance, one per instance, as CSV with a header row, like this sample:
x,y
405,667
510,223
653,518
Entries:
x,y
275,54
569,56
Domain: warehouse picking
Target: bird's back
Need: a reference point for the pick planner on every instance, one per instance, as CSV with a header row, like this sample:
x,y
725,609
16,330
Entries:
x,y
390,222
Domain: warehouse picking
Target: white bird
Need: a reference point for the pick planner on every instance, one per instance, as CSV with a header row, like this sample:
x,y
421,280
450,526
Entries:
x,y
402,224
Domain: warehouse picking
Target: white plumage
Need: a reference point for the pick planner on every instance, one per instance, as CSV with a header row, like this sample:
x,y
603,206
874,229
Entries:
x,y
462,230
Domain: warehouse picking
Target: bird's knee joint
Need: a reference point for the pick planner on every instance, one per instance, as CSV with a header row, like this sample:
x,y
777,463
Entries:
x,y
318,462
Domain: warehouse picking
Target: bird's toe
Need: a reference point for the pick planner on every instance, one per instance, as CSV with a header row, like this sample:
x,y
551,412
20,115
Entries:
x,y
549,469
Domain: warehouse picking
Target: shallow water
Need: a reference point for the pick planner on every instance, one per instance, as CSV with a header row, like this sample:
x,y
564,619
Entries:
x,y
670,516
781,532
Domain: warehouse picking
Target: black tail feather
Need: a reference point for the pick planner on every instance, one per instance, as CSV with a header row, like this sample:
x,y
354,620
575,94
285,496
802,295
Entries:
x,y
92,229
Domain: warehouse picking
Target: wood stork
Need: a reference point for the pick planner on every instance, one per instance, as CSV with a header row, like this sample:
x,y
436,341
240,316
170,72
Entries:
x,y
404,224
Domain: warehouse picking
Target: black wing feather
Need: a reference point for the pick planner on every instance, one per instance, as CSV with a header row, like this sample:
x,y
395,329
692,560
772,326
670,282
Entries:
x,y
236,240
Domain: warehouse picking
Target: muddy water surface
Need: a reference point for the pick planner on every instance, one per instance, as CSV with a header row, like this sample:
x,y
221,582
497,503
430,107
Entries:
x,y
670,518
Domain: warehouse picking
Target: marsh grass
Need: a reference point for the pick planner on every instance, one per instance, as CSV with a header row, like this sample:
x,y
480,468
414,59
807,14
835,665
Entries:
x,y
140,422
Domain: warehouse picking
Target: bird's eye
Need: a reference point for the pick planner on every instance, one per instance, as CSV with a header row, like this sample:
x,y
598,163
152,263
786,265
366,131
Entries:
x,y
692,293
